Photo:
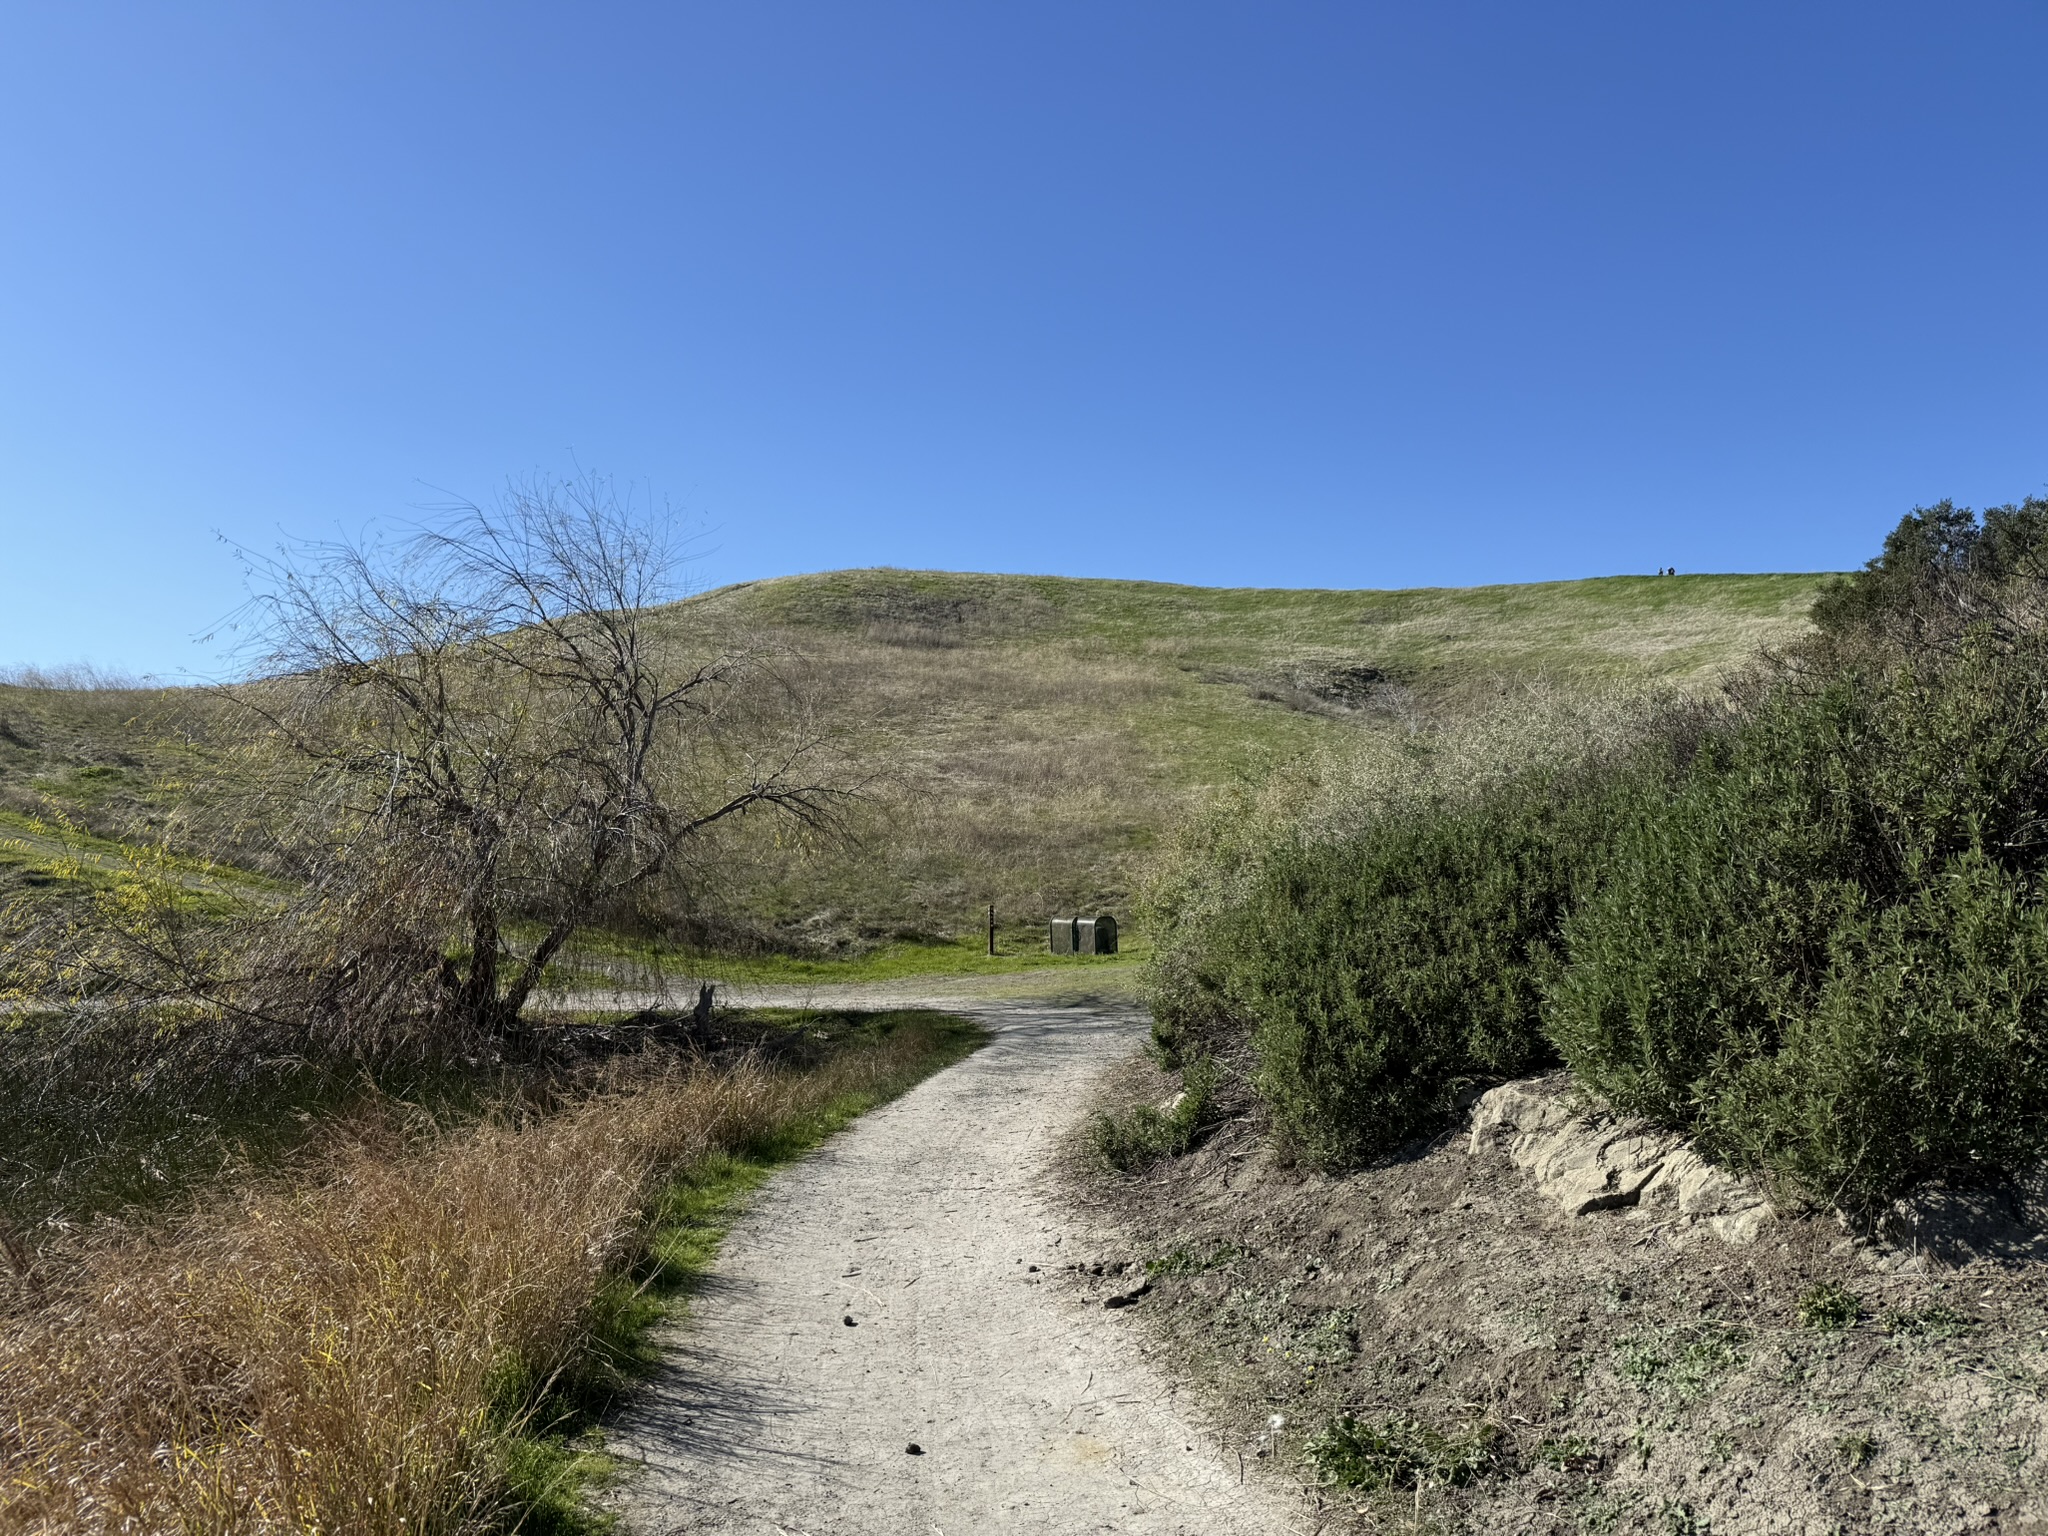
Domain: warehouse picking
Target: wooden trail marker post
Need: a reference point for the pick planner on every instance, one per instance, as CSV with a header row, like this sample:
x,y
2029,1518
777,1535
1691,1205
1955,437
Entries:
x,y
991,927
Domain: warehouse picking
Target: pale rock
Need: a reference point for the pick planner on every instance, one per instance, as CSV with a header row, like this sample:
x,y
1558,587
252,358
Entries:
x,y
1587,1159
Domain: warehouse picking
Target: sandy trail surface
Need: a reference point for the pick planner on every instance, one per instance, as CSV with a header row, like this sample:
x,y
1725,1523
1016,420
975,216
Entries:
x,y
922,1223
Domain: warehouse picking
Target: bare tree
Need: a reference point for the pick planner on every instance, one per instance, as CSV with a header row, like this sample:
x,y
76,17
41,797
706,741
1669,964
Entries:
x,y
489,730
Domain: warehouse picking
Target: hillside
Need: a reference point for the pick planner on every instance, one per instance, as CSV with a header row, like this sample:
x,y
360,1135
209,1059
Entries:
x,y
1032,736
1052,727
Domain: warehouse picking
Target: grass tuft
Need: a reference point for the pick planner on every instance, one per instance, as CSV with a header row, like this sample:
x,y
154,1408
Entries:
x,y
1136,1138
1829,1308
1401,1453
1183,1261
1935,1320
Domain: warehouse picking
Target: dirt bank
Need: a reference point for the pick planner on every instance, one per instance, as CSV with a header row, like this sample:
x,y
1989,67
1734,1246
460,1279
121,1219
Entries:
x,y
1513,1368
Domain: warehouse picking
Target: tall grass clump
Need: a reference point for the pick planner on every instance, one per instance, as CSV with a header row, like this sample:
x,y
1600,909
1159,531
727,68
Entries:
x,y
368,1345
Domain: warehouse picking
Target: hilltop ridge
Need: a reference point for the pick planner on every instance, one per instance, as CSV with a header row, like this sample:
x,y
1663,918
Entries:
x,y
1034,735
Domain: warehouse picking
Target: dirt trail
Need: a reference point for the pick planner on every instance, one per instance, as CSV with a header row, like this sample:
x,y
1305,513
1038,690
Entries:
x,y
1033,1412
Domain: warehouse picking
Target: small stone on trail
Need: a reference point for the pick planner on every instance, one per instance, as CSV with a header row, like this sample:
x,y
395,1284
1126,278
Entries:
x,y
913,1449
848,1320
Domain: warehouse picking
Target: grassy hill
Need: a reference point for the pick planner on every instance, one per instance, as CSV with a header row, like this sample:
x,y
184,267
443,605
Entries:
x,y
1033,735
1050,728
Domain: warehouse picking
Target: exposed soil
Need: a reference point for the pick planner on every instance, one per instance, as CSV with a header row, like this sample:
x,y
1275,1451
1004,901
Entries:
x,y
1611,1372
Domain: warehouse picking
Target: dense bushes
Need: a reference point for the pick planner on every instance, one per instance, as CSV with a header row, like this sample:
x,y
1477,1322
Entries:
x,y
1809,926
1824,946
1382,973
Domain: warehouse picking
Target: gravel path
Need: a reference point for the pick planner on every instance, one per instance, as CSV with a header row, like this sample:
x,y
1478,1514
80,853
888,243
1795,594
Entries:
x,y
921,1223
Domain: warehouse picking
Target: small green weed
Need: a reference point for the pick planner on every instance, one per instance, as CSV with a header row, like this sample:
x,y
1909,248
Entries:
x,y
1140,1137
546,1479
1401,1453
1829,1307
1182,1262
1936,1320
1856,1450
1574,1453
1679,1363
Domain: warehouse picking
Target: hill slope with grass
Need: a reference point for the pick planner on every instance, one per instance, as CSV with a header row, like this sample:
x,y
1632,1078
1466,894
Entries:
x,y
1031,737
1044,732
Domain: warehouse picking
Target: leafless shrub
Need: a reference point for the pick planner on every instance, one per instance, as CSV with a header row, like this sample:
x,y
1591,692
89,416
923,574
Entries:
x,y
470,745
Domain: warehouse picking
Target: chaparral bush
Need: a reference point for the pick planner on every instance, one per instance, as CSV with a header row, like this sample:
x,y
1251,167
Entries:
x,y
1383,973
1806,923
1364,938
1825,947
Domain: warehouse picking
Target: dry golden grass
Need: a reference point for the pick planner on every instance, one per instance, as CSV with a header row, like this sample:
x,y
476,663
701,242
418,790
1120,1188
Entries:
x,y
1043,736
350,1349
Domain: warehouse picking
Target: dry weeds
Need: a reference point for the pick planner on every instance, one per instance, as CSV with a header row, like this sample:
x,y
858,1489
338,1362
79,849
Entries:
x,y
350,1348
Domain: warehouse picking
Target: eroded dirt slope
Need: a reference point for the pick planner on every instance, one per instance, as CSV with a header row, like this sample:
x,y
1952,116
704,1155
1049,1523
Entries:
x,y
1515,1369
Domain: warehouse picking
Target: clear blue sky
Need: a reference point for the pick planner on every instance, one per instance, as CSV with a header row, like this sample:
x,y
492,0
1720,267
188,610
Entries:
x,y
1335,294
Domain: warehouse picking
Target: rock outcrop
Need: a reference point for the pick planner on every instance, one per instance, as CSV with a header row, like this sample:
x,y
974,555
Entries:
x,y
1586,1158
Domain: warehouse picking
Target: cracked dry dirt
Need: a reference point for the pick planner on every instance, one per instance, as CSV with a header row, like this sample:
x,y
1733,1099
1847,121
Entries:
x,y
934,1225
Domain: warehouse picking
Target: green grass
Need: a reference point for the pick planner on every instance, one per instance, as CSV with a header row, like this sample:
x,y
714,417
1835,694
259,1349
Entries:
x,y
556,1461
1670,626
1829,1308
1401,1453
900,960
1135,1138
1680,1363
1036,737
1184,1261
62,852
1046,733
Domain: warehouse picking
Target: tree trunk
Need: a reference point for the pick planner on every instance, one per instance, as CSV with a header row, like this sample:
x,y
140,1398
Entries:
x,y
477,1000
529,974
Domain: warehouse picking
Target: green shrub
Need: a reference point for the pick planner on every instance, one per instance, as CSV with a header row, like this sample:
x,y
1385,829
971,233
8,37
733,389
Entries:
x,y
1140,1136
1824,947
1941,570
1384,973
1922,1055
1809,925
1711,909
